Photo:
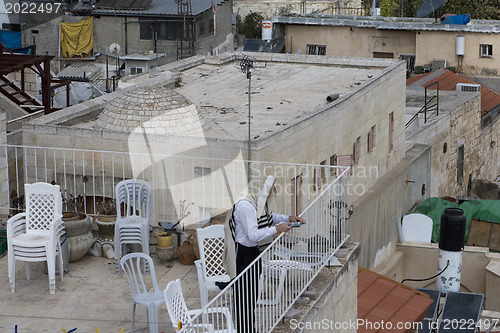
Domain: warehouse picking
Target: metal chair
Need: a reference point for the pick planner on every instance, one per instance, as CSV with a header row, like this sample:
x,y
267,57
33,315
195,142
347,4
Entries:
x,y
209,267
131,265
181,316
35,235
133,200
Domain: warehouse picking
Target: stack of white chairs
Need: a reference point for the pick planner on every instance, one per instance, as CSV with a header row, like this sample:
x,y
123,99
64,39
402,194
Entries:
x,y
133,207
35,235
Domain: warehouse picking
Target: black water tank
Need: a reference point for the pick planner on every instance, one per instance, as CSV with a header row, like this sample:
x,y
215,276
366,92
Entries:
x,y
452,230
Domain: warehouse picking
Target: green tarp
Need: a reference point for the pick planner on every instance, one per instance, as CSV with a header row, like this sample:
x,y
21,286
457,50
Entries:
x,y
484,210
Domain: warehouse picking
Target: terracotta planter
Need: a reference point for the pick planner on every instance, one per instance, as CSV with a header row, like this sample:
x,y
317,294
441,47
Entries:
x,y
79,230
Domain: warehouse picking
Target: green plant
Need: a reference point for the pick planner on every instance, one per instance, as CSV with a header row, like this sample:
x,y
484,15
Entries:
x,y
251,26
72,203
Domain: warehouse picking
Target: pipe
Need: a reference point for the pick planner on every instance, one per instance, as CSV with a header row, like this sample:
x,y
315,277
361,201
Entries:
x,y
332,97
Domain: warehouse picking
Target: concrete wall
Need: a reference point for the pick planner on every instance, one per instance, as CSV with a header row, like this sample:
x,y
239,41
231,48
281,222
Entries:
x,y
337,288
377,213
349,42
132,43
269,8
479,269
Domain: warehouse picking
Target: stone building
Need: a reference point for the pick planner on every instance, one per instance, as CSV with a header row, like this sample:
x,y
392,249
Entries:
x,y
269,8
422,42
292,122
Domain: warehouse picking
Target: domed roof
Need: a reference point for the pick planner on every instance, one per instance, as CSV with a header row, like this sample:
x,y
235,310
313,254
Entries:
x,y
156,109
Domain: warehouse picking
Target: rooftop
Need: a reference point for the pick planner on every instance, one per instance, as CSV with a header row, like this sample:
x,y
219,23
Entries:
x,y
150,8
142,56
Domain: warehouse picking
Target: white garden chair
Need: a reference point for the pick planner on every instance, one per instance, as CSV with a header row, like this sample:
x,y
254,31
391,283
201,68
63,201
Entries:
x,y
131,265
209,267
35,235
134,198
180,316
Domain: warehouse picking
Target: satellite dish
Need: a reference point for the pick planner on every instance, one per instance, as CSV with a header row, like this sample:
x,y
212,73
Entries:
x,y
114,48
428,7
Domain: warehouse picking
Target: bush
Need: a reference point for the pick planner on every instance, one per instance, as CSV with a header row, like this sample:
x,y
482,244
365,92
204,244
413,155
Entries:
x,y
251,26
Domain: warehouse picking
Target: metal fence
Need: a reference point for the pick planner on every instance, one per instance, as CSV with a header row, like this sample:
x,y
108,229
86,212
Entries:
x,y
260,296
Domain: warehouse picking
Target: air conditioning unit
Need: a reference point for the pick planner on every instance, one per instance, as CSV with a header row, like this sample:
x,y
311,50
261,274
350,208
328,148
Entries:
x,y
468,87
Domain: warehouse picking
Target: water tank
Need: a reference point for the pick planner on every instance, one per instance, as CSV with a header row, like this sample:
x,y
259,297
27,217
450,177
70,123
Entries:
x,y
460,45
267,30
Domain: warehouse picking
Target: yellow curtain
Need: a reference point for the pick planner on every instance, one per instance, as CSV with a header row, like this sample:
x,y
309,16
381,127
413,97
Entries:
x,y
77,39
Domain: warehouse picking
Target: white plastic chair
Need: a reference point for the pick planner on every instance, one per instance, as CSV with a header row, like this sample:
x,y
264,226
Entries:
x,y
179,313
131,265
417,228
35,235
209,267
134,197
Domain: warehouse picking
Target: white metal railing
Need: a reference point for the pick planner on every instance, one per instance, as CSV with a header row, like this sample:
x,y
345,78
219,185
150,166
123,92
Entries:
x,y
260,296
281,273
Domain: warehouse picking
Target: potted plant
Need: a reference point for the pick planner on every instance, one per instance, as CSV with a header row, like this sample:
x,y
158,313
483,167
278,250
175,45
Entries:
x,y
106,219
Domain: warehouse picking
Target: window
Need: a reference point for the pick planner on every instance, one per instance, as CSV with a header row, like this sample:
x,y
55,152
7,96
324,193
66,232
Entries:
x,y
333,162
391,130
164,30
344,161
135,70
371,140
486,50
316,49
356,149
205,24
383,55
460,164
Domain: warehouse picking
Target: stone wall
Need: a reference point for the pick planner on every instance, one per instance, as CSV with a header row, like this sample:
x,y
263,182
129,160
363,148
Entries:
x,y
269,8
457,125
336,306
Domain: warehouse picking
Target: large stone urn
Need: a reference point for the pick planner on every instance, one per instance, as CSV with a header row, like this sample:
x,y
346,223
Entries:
x,y
79,230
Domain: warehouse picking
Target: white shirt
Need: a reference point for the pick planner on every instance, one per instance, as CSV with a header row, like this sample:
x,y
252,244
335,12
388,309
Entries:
x,y
247,232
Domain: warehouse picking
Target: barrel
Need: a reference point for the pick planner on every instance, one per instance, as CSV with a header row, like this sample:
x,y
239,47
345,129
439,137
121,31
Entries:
x,y
452,230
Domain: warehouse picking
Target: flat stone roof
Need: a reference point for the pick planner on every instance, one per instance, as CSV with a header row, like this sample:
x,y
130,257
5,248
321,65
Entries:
x,y
388,23
282,93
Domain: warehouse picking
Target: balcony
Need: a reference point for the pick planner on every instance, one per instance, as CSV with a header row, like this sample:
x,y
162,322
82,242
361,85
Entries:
x,y
284,270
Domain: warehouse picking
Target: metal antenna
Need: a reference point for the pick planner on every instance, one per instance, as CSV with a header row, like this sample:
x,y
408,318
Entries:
x,y
246,64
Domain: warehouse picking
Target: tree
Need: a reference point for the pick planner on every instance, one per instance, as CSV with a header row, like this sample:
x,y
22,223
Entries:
x,y
251,26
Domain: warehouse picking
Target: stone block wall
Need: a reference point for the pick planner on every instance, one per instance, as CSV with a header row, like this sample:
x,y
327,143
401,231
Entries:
x,y
30,79
335,309
269,8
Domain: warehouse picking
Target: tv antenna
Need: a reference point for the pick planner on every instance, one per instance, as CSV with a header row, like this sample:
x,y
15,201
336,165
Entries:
x,y
246,64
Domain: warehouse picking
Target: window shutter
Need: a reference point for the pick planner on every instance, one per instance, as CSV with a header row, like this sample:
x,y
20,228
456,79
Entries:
x,y
344,161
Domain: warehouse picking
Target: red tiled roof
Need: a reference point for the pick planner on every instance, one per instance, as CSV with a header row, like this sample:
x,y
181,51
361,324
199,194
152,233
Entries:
x,y
448,81
386,305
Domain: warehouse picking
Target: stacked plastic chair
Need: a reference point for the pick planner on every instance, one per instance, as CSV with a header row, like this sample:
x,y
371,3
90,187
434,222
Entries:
x,y
151,299
35,235
133,206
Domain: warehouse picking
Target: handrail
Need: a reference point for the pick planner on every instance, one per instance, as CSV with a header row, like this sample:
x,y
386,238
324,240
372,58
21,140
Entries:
x,y
426,107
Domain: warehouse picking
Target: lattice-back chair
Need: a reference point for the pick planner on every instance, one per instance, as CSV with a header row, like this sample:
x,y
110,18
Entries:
x,y
181,316
210,268
133,207
141,294
35,235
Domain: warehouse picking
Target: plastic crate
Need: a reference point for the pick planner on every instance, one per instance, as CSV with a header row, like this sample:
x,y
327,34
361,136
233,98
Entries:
x,y
3,246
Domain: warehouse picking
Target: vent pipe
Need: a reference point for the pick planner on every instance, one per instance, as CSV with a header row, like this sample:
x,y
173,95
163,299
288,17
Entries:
x,y
451,246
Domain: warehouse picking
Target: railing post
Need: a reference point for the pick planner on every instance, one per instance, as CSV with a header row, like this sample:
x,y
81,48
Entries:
x,y
425,106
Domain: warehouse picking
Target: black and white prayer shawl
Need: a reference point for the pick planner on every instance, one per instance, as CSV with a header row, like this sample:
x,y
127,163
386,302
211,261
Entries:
x,y
265,220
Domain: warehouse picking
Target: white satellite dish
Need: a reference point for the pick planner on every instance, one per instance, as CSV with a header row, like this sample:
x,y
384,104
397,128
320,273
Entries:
x,y
114,48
